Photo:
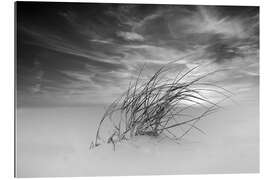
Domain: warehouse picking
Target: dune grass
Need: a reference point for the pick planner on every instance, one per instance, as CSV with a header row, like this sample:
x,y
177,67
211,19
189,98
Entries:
x,y
160,105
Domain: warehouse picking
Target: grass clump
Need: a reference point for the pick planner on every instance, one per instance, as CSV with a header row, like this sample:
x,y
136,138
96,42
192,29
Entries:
x,y
159,105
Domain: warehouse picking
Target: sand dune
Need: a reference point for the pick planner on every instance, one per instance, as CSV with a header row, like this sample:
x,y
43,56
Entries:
x,y
55,142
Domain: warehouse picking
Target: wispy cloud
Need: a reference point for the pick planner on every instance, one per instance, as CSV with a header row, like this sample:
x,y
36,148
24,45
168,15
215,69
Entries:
x,y
208,21
64,46
101,41
130,36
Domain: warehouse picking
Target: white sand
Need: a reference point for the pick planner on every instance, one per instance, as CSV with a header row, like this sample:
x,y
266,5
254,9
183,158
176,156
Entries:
x,y
55,141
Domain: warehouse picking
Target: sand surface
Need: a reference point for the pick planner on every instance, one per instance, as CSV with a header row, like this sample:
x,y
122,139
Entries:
x,y
55,142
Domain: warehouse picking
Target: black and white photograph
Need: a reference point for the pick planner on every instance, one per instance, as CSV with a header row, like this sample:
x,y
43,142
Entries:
x,y
114,89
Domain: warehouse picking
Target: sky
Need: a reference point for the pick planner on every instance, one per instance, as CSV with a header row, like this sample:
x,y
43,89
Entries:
x,y
72,54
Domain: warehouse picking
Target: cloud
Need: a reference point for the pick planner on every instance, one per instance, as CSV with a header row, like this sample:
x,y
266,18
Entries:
x,y
36,88
132,36
61,45
78,75
69,16
160,54
209,20
136,25
101,41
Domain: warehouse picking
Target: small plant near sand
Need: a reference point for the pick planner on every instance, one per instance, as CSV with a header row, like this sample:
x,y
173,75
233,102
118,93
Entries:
x,y
159,106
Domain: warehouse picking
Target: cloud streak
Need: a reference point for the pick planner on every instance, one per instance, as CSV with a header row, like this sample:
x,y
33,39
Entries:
x,y
130,36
